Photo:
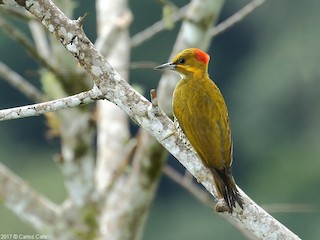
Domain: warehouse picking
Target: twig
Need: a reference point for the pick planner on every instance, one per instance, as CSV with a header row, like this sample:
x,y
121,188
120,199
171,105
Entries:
x,y
291,208
81,19
154,102
17,81
201,195
18,36
205,198
143,65
40,108
236,18
187,177
157,27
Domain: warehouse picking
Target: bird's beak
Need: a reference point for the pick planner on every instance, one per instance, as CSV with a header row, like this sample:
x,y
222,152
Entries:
x,y
166,66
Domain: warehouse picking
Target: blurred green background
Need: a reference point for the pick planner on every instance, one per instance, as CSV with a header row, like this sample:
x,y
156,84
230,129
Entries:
x,y
267,67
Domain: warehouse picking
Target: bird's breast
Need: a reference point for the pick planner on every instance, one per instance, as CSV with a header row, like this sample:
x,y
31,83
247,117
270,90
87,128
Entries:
x,y
202,114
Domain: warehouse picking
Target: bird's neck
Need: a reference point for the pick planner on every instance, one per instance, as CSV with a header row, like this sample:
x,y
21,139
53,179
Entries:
x,y
194,76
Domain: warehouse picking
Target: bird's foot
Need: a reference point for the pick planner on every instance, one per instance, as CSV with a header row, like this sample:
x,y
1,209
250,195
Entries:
x,y
168,135
221,206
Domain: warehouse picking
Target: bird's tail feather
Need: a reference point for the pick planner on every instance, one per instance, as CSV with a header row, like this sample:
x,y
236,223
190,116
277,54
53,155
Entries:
x,y
227,188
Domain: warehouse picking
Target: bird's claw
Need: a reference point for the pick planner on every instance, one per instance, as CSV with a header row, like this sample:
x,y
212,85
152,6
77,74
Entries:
x,y
221,206
171,133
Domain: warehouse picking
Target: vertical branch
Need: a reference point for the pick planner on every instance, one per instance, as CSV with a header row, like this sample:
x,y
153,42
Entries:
x,y
112,122
113,133
127,205
76,131
150,155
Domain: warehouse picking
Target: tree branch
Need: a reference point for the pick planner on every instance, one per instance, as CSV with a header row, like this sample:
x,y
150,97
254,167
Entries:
x,y
113,18
18,36
157,27
55,105
201,195
236,18
113,155
21,84
25,202
17,12
108,35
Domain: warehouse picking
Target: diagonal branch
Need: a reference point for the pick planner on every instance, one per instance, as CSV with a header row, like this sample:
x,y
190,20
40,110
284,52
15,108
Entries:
x,y
157,27
201,195
17,81
20,37
236,18
19,13
24,201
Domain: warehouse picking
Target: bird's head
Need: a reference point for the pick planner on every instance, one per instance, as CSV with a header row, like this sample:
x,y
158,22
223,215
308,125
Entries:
x,y
190,61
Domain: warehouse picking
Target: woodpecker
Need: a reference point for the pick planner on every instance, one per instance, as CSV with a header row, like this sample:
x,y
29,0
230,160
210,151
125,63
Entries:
x,y
201,113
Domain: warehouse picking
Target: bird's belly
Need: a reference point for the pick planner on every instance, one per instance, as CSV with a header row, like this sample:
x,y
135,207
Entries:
x,y
205,125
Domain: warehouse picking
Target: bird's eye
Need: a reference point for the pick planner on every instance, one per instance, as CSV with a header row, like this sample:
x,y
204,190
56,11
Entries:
x,y
181,61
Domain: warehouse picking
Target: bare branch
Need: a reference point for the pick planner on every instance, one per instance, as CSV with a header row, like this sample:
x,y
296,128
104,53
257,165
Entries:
x,y
17,81
113,20
25,202
108,36
205,198
291,208
17,12
157,27
40,108
18,36
39,37
143,65
135,187
77,162
201,195
236,18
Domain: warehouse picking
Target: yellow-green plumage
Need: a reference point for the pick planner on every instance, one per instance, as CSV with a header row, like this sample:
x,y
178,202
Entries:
x,y
202,114
202,119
